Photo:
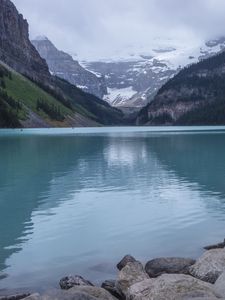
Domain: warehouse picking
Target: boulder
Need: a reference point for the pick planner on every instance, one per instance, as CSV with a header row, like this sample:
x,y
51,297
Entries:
x,y
110,286
159,266
93,291
132,273
61,295
128,258
171,287
220,285
68,282
209,266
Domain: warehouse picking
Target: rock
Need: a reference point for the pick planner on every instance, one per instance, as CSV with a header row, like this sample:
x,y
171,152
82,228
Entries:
x,y
171,287
124,261
63,65
220,285
93,291
110,286
16,49
132,273
159,266
61,295
209,266
216,246
15,297
68,282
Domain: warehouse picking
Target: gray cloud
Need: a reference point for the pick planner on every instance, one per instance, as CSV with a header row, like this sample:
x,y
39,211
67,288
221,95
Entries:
x,y
99,26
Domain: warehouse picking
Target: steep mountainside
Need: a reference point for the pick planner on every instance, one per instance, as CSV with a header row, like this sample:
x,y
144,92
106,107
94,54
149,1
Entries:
x,y
195,96
134,78
15,47
49,97
64,66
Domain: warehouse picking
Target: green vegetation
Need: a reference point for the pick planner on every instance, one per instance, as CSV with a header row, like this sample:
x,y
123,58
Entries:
x,y
203,85
210,114
52,102
18,95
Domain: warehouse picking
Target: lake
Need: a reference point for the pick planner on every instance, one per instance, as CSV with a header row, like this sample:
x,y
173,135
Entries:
x,y
75,201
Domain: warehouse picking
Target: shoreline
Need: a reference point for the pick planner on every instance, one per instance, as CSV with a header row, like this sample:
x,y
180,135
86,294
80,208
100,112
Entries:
x,y
135,281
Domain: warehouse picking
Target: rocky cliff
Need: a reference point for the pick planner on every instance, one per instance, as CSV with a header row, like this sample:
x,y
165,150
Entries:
x,y
39,97
64,66
15,47
195,96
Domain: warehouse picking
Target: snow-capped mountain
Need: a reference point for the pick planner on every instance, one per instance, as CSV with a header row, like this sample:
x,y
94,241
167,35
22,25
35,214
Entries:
x,y
63,65
133,76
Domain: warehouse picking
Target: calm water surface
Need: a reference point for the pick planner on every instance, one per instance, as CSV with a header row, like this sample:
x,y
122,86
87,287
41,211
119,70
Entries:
x,y
76,201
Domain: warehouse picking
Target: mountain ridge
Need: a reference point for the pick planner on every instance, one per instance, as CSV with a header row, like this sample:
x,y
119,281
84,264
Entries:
x,y
195,96
63,65
17,52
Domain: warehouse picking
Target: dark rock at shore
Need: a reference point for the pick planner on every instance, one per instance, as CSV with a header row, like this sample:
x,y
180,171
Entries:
x,y
173,265
216,246
15,297
110,286
68,282
128,258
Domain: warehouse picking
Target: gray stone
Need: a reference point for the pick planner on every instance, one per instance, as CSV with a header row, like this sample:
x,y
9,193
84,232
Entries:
x,y
68,282
209,266
171,287
128,258
110,286
93,291
159,266
132,273
220,285
62,295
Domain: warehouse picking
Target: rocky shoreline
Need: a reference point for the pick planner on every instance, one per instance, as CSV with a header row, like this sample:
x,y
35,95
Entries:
x,y
160,279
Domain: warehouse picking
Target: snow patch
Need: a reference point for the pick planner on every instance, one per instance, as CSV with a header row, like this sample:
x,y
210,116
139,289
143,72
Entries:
x,y
119,95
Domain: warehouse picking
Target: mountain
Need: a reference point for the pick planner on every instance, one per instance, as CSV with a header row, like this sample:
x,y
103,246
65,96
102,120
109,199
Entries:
x,y
195,96
64,66
15,47
133,77
29,95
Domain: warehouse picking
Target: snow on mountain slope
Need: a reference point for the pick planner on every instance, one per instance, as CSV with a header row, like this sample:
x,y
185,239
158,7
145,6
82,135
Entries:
x,y
134,75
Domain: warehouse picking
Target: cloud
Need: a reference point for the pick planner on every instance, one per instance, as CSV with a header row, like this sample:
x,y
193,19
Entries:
x,y
100,26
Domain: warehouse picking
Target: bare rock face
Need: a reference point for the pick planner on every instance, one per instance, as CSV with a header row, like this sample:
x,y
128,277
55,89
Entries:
x,y
16,49
132,273
172,287
68,282
210,266
159,266
63,65
128,258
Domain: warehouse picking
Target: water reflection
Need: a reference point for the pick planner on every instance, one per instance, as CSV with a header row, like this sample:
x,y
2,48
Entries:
x,y
68,202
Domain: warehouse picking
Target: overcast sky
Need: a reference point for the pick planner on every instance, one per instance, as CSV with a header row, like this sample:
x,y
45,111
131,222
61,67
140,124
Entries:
x,y
101,26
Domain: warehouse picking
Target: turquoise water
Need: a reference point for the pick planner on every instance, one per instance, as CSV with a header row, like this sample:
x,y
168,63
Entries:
x,y
76,201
